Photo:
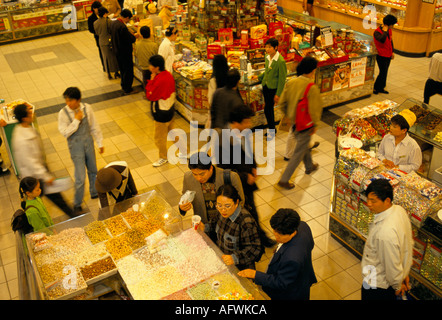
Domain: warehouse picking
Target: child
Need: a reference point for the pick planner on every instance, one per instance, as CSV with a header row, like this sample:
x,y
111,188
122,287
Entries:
x,y
76,122
37,214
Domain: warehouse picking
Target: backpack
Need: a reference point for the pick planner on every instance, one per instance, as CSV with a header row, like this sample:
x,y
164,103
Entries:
x,y
20,222
303,119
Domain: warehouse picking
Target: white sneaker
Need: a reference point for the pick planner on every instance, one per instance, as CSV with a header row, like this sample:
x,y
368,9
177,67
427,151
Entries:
x,y
159,163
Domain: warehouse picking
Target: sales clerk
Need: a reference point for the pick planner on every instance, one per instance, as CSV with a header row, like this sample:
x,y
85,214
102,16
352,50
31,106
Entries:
x,y
398,149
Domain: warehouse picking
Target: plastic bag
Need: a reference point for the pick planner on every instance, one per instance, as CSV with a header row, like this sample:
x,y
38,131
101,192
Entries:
x,y
187,197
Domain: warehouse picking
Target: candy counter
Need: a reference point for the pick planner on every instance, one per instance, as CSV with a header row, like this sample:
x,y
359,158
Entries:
x,y
138,248
350,217
18,21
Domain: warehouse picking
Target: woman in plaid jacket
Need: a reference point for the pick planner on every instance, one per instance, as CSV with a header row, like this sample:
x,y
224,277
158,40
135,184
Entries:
x,y
236,231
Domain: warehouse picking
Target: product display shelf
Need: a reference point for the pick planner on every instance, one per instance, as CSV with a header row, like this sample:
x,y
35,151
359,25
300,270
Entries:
x,y
416,34
111,250
350,217
345,78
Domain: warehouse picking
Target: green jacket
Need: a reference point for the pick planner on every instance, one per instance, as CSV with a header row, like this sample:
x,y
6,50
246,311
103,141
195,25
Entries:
x,y
274,76
38,217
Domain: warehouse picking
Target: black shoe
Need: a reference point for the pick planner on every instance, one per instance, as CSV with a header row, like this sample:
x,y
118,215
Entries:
x,y
315,167
109,77
375,92
117,75
78,211
384,91
286,185
4,172
315,145
94,197
286,159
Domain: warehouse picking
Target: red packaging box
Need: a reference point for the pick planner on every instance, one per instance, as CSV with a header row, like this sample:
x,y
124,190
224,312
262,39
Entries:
x,y
244,37
225,35
260,43
212,50
276,28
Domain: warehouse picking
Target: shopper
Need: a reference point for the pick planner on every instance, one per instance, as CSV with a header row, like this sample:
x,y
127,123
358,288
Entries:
x,y
102,27
115,180
29,157
290,273
291,142
387,256
167,48
397,149
90,23
122,41
236,153
3,168
204,179
36,212
76,122
294,92
433,85
225,99
113,7
152,14
144,49
160,90
236,230
272,81
307,5
384,45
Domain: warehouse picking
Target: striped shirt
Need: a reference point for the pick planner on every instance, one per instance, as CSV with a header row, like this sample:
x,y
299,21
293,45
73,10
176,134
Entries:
x,y
407,155
238,236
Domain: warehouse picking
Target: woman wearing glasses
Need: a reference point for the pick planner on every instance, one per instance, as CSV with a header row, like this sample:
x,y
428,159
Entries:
x,y
236,230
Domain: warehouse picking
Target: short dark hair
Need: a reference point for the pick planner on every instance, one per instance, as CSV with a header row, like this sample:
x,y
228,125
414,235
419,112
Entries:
x,y
157,61
145,32
381,188
228,191
389,20
170,31
285,221
20,112
102,11
400,121
240,112
307,65
272,42
72,93
96,5
200,160
233,78
125,13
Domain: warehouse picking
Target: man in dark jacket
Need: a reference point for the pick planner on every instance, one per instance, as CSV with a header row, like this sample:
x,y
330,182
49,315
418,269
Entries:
x,y
290,273
225,99
122,40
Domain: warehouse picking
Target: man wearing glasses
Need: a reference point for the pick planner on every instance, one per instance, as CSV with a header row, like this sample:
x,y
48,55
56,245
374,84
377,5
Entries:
x,y
204,178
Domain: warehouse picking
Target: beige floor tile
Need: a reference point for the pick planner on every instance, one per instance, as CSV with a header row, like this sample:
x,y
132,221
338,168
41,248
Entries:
x,y
321,291
325,267
343,284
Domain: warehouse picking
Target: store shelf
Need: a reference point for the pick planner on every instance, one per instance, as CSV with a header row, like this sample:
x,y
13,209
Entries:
x,y
385,4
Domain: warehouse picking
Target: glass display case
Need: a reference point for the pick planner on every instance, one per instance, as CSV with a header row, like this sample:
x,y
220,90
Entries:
x,y
139,245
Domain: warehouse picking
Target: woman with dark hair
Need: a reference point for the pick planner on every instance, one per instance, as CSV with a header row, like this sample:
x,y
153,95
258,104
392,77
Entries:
x,y
101,27
236,230
36,212
295,90
219,75
90,23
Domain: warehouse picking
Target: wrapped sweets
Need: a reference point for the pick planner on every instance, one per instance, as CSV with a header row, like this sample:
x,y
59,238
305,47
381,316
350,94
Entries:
x,y
357,177
342,125
371,163
363,131
411,201
431,192
415,181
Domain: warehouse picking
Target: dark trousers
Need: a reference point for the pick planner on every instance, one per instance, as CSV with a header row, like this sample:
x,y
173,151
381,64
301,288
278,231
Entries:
x,y
146,77
381,80
432,87
269,103
377,294
58,200
126,66
99,52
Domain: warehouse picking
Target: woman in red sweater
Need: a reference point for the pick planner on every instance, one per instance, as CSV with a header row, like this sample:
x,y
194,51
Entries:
x,y
160,90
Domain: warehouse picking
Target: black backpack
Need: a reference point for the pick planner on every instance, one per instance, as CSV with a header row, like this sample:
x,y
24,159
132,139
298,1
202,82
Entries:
x,y
20,222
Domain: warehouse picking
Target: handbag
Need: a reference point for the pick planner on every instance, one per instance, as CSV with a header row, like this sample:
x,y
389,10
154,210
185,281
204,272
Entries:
x,y
303,119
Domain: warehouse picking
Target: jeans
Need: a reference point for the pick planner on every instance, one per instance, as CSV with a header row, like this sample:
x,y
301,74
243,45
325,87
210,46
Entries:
x,y
302,153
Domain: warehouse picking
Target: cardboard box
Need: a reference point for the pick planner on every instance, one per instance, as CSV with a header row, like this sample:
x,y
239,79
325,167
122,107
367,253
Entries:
x,y
225,35
276,28
212,50
244,37
258,32
259,43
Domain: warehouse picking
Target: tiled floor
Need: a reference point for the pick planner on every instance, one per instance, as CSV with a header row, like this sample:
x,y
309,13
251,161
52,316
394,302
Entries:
x,y
40,70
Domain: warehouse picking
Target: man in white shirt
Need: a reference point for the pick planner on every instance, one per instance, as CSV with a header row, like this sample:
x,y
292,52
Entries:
x,y
167,48
387,256
76,122
398,149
